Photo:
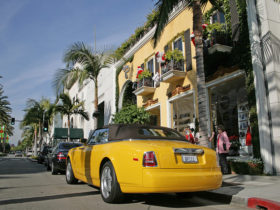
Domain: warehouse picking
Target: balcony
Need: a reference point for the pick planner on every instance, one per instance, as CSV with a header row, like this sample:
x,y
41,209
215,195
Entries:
x,y
145,87
218,41
173,71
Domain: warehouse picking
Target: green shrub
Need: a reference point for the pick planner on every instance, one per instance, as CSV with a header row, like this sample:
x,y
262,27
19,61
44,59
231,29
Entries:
x,y
250,166
175,55
131,114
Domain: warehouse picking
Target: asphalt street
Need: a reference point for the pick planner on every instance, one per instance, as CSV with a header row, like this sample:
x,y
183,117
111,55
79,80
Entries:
x,y
27,185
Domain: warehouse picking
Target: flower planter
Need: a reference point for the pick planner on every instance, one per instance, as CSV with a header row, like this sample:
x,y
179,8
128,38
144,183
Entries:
x,y
243,166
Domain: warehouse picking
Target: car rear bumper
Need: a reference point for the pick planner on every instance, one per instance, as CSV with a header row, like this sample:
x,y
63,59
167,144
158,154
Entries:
x,y
176,180
60,165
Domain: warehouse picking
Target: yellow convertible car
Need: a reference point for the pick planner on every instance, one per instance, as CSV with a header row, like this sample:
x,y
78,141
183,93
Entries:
x,y
123,159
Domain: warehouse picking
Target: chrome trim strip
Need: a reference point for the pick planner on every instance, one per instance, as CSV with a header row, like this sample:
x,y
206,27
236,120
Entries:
x,y
188,151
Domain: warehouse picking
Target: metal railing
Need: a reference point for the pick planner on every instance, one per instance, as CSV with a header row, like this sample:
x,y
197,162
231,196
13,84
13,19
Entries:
x,y
173,65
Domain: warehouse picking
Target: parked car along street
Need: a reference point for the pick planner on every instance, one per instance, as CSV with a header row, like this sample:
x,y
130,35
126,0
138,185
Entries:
x,y
56,159
29,153
142,159
43,153
18,154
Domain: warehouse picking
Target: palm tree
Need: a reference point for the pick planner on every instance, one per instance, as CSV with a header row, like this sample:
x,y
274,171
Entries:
x,y
165,7
27,137
5,109
5,115
68,108
34,114
90,65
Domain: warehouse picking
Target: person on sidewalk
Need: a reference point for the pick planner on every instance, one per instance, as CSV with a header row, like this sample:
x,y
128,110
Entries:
x,y
222,148
189,135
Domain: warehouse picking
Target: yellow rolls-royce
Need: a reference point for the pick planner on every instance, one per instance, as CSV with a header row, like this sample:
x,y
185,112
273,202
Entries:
x,y
123,159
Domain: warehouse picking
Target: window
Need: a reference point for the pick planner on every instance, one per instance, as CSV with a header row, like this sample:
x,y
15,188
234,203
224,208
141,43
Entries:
x,y
218,17
178,44
99,136
72,123
165,48
68,146
150,65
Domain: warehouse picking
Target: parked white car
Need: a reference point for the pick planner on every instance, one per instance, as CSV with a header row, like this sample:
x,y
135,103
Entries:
x,y
29,153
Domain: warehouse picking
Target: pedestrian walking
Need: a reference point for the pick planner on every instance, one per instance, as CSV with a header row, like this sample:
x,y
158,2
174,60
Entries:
x,y
222,148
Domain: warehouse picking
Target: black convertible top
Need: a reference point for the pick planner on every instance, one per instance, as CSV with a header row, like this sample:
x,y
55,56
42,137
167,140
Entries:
x,y
136,131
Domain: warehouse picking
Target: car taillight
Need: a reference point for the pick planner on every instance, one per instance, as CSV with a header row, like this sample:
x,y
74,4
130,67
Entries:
x,y
149,159
60,156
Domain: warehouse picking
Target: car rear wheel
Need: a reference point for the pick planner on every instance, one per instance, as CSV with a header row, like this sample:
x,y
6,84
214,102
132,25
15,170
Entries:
x,y
70,178
109,186
53,169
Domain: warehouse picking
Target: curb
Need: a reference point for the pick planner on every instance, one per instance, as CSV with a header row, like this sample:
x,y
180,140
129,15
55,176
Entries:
x,y
260,203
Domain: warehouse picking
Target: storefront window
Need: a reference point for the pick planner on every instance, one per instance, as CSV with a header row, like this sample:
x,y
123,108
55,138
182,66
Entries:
x,y
183,113
229,107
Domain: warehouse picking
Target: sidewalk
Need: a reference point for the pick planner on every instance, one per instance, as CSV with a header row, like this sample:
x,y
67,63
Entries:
x,y
249,191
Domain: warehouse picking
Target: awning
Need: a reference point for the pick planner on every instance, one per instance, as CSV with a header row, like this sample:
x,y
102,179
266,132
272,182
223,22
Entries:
x,y
61,133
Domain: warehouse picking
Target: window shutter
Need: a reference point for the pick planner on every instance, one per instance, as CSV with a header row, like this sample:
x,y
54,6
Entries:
x,y
188,50
234,20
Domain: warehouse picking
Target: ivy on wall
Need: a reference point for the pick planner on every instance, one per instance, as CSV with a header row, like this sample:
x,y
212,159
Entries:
x,y
118,71
241,56
138,34
245,62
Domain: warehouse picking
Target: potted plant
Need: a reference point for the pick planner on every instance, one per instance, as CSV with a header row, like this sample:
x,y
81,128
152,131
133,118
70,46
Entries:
x,y
175,58
145,79
235,145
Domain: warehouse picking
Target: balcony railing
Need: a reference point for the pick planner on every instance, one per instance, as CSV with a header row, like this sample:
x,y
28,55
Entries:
x,y
148,82
145,87
218,41
172,65
173,71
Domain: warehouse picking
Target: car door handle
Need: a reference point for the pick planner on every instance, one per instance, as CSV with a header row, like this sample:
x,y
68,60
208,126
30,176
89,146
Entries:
x,y
81,148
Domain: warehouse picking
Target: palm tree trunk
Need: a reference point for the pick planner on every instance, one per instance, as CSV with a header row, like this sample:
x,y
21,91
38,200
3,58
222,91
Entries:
x,y
4,141
40,134
68,133
35,141
200,76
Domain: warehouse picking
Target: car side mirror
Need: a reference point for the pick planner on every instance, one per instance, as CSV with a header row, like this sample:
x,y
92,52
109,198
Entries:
x,y
84,140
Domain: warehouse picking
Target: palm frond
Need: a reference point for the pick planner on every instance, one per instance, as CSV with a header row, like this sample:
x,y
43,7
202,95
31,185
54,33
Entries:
x,y
164,7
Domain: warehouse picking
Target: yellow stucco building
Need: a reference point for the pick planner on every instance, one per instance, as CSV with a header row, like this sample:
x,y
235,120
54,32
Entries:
x,y
170,94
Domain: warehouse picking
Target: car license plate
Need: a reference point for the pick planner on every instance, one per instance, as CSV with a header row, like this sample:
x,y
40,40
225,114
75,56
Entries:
x,y
189,158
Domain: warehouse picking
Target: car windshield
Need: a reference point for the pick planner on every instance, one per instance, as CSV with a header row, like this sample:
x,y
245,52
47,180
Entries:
x,y
69,145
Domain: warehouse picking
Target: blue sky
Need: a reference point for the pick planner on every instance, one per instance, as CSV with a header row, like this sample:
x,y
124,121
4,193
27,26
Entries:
x,y
34,34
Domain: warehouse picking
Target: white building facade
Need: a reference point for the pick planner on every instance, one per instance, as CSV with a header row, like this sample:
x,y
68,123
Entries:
x,y
264,28
106,101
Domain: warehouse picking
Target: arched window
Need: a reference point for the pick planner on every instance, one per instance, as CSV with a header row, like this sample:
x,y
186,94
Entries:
x,y
72,123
